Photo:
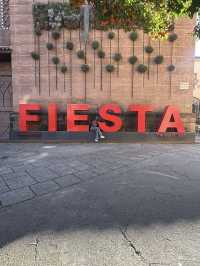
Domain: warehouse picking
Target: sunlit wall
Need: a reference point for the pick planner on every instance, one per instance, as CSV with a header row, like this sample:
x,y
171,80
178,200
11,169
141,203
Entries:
x,y
197,50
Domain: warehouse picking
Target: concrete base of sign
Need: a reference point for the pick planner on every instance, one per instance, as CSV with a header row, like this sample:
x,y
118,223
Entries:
x,y
123,137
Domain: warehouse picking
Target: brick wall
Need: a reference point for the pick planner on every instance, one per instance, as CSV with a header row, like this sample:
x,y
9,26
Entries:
x,y
37,81
196,93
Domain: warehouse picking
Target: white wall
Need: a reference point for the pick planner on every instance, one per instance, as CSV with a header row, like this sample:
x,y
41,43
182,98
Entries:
x,y
197,50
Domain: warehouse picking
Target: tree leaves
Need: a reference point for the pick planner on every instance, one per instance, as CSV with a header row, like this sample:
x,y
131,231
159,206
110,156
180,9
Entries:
x,y
153,16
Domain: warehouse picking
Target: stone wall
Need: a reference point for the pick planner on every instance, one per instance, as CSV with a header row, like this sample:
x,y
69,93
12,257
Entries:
x,y
40,82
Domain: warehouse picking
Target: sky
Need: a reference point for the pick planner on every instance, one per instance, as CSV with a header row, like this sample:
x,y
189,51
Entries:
x,y
197,52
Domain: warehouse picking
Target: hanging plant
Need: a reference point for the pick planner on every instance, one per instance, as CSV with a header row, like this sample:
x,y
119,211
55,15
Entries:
x,y
49,46
35,56
81,54
55,35
133,59
117,57
142,68
172,37
149,49
171,68
55,60
85,68
133,36
95,45
111,35
101,54
110,68
158,60
118,51
63,68
69,45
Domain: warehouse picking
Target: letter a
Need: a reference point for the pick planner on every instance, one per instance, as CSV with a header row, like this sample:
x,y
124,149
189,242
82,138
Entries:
x,y
171,112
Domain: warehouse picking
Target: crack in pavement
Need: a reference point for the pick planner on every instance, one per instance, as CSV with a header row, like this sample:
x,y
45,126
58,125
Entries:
x,y
36,248
131,244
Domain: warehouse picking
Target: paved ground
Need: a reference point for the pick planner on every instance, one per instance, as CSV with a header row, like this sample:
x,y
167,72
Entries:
x,y
99,205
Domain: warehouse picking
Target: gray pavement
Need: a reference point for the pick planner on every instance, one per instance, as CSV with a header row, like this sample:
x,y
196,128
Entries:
x,y
99,205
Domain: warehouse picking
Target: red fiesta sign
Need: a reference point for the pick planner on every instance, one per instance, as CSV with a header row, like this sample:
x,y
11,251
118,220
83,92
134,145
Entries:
x,y
109,112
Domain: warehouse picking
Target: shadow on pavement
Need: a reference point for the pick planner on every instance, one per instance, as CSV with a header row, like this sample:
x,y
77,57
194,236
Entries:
x,y
139,196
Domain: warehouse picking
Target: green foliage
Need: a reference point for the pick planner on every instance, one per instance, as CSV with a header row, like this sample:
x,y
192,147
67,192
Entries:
x,y
49,46
142,68
35,56
85,68
133,59
148,49
110,68
63,68
55,60
95,45
133,36
153,16
158,59
101,54
117,57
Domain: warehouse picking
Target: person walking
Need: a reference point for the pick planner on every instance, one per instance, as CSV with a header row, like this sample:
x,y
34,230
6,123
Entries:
x,y
95,128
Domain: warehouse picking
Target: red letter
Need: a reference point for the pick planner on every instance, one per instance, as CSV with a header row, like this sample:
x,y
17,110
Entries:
x,y
171,112
72,117
117,122
52,117
141,110
24,117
